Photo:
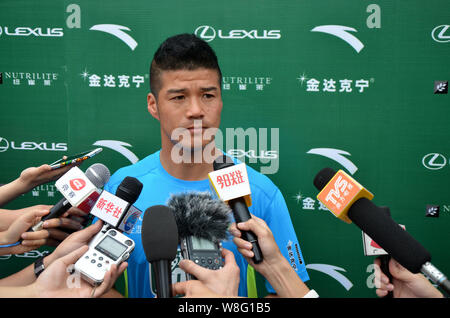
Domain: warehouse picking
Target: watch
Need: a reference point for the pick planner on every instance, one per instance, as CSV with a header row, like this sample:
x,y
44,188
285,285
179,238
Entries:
x,y
39,266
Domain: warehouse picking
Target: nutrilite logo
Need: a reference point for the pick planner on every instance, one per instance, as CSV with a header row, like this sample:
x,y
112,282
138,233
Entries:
x,y
208,33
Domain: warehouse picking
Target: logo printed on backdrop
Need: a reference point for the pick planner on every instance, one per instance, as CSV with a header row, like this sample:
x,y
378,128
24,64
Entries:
x,y
434,161
118,146
118,32
31,31
31,78
333,85
441,33
244,83
208,33
341,32
432,211
31,145
117,80
336,155
440,87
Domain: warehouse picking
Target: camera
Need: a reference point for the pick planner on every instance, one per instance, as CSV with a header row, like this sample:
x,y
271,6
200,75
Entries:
x,y
111,248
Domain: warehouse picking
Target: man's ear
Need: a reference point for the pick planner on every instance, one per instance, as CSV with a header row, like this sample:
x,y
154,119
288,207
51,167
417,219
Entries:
x,y
152,105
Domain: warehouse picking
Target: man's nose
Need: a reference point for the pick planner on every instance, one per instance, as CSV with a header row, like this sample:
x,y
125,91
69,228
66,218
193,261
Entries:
x,y
195,109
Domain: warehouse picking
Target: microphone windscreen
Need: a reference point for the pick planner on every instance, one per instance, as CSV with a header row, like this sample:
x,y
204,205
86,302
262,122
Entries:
x,y
323,177
129,189
389,235
98,174
222,162
159,234
199,214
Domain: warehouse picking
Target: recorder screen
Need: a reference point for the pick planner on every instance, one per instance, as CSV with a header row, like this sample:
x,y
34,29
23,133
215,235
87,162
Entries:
x,y
111,248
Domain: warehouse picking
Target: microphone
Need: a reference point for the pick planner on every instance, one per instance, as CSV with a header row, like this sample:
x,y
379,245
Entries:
x,y
160,242
231,184
118,211
371,248
79,190
202,224
356,206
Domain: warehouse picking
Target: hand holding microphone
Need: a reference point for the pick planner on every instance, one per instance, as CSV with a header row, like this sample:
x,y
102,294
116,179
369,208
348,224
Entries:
x,y
274,267
403,284
350,202
232,185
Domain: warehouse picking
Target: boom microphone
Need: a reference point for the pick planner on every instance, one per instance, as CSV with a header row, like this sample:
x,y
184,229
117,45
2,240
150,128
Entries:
x,y
79,190
232,186
160,242
340,188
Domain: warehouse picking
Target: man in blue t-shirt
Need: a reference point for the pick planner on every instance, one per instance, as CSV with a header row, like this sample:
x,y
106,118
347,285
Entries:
x,y
185,83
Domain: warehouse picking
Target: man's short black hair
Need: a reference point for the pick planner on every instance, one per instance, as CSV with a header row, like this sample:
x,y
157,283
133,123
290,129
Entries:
x,y
181,52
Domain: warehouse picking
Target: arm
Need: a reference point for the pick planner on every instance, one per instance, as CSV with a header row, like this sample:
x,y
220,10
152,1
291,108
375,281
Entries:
x,y
274,267
28,179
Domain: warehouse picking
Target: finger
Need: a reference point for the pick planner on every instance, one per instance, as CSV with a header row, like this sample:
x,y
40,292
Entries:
x,y
242,244
74,256
179,288
381,292
58,234
30,243
62,223
30,217
87,233
77,212
191,268
42,234
234,230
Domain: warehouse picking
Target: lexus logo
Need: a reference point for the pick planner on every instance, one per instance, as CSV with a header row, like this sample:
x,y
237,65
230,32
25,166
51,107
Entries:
x,y
441,33
434,161
206,33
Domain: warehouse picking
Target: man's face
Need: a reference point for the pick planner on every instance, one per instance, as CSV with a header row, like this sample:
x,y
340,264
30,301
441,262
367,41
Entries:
x,y
189,102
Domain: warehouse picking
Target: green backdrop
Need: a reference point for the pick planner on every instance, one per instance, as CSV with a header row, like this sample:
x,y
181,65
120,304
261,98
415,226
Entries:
x,y
353,85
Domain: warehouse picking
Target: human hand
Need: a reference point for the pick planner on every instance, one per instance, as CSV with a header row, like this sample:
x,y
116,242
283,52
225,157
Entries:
x,y
224,281
75,241
57,282
404,283
266,241
193,289
54,230
17,228
34,176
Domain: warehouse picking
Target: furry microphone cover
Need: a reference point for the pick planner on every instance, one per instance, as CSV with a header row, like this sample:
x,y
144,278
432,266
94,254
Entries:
x,y
199,214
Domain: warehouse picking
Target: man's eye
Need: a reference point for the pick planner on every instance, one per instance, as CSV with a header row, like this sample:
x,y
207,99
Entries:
x,y
179,97
208,96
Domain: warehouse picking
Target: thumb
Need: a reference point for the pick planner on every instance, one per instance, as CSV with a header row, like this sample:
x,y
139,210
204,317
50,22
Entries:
x,y
190,267
74,256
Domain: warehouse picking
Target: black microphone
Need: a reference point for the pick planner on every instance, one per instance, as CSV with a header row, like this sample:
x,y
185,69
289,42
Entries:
x,y
202,223
98,174
376,223
160,242
128,190
240,211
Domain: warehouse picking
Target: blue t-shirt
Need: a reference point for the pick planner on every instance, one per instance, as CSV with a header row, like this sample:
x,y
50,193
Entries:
x,y
267,204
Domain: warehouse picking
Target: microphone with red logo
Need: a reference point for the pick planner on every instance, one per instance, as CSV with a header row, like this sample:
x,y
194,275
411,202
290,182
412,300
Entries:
x,y
117,210
231,184
350,202
79,190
